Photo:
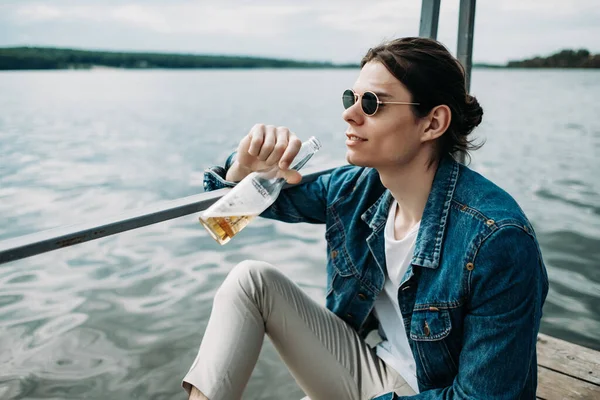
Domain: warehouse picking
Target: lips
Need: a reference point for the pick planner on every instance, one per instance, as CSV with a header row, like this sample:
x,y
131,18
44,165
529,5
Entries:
x,y
355,138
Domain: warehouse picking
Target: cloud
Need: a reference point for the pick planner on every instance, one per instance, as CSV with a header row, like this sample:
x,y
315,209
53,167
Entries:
x,y
186,17
38,12
142,17
383,16
202,18
337,30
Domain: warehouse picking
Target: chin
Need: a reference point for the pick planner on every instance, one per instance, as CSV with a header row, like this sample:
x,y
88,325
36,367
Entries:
x,y
353,159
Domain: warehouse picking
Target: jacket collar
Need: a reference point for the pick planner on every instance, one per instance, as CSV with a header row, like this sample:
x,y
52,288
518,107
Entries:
x,y
435,215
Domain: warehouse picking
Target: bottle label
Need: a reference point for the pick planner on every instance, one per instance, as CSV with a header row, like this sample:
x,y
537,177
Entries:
x,y
260,189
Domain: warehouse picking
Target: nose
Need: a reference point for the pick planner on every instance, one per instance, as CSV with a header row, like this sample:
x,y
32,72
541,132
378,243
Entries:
x,y
354,114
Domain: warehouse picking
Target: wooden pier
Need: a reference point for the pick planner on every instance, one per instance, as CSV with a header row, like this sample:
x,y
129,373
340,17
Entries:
x,y
566,370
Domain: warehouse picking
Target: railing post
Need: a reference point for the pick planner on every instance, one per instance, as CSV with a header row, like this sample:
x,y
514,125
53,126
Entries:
x,y
430,15
466,25
464,48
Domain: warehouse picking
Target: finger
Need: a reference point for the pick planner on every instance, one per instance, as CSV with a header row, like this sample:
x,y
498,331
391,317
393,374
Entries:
x,y
257,135
244,145
280,145
243,157
292,176
291,151
269,143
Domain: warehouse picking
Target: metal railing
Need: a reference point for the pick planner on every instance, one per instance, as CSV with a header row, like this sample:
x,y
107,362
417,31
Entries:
x,y
54,239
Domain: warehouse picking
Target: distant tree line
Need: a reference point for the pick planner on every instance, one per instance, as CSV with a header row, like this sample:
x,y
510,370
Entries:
x,y
563,59
16,58
19,58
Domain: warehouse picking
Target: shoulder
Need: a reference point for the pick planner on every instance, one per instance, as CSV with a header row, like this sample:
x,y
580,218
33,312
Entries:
x,y
481,199
502,234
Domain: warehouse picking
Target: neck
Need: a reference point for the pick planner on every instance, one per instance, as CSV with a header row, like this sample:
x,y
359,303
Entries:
x,y
410,185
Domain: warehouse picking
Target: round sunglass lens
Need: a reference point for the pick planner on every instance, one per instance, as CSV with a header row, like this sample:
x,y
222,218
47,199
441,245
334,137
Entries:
x,y
348,98
369,103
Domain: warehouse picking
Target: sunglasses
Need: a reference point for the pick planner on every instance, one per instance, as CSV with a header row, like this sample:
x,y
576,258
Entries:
x,y
369,102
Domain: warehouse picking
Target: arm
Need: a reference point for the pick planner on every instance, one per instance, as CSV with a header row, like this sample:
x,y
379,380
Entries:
x,y
264,147
507,288
306,202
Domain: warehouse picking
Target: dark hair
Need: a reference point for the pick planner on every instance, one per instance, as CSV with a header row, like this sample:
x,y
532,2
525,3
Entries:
x,y
433,77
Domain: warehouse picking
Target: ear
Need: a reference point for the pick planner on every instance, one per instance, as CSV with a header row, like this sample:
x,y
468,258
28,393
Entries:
x,y
437,123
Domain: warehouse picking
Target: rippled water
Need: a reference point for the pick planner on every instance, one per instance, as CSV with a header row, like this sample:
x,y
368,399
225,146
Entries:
x,y
122,317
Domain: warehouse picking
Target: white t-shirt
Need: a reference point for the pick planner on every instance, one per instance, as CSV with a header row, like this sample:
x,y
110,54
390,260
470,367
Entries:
x,y
395,351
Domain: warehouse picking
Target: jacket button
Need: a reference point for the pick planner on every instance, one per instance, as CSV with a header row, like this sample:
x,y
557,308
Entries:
x,y
470,266
334,254
426,330
489,222
362,296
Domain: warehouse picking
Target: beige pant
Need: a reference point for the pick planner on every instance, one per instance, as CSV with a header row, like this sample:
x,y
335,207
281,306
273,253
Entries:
x,y
326,356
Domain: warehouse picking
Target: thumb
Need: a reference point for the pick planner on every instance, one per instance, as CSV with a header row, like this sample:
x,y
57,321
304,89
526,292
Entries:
x,y
292,176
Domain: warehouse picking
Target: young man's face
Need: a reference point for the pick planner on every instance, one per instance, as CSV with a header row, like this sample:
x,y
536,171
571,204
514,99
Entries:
x,y
392,136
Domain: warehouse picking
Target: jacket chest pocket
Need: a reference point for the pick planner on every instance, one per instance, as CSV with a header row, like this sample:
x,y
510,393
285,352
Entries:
x,y
430,324
429,330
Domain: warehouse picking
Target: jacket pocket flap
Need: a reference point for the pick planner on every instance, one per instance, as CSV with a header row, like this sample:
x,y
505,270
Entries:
x,y
430,324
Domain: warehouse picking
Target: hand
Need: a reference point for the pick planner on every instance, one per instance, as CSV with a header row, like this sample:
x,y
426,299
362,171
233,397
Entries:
x,y
264,147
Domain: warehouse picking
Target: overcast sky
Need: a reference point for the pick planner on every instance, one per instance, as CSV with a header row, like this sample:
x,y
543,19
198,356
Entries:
x,y
325,30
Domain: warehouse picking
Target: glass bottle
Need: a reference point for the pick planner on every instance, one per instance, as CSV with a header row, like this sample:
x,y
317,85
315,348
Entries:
x,y
250,197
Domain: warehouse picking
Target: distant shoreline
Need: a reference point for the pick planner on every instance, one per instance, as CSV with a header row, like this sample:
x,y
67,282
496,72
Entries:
x,y
44,58
47,58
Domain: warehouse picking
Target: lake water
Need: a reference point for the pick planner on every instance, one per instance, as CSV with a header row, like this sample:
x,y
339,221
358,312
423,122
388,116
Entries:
x,y
122,317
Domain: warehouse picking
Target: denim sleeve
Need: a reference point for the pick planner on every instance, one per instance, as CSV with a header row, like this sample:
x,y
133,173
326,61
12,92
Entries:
x,y
305,202
507,286
214,177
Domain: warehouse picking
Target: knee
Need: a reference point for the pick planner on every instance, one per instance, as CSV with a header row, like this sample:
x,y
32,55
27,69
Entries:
x,y
247,277
249,271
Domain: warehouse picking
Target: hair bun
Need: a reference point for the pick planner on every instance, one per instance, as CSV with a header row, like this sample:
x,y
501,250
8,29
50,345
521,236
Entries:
x,y
472,114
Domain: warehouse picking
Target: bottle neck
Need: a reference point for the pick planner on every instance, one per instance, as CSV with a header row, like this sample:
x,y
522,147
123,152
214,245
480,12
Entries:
x,y
308,149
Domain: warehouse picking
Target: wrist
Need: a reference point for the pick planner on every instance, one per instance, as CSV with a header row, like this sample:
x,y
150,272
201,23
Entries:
x,y
237,172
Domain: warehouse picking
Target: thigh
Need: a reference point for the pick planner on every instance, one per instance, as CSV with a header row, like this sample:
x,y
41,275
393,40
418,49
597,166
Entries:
x,y
325,355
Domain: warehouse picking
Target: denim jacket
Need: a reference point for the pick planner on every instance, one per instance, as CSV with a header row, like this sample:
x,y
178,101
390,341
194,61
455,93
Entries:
x,y
472,297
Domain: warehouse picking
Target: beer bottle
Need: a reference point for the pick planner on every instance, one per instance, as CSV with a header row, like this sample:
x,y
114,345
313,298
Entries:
x,y
250,197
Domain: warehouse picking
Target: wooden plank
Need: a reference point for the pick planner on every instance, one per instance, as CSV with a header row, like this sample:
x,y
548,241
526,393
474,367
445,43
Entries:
x,y
556,386
569,359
